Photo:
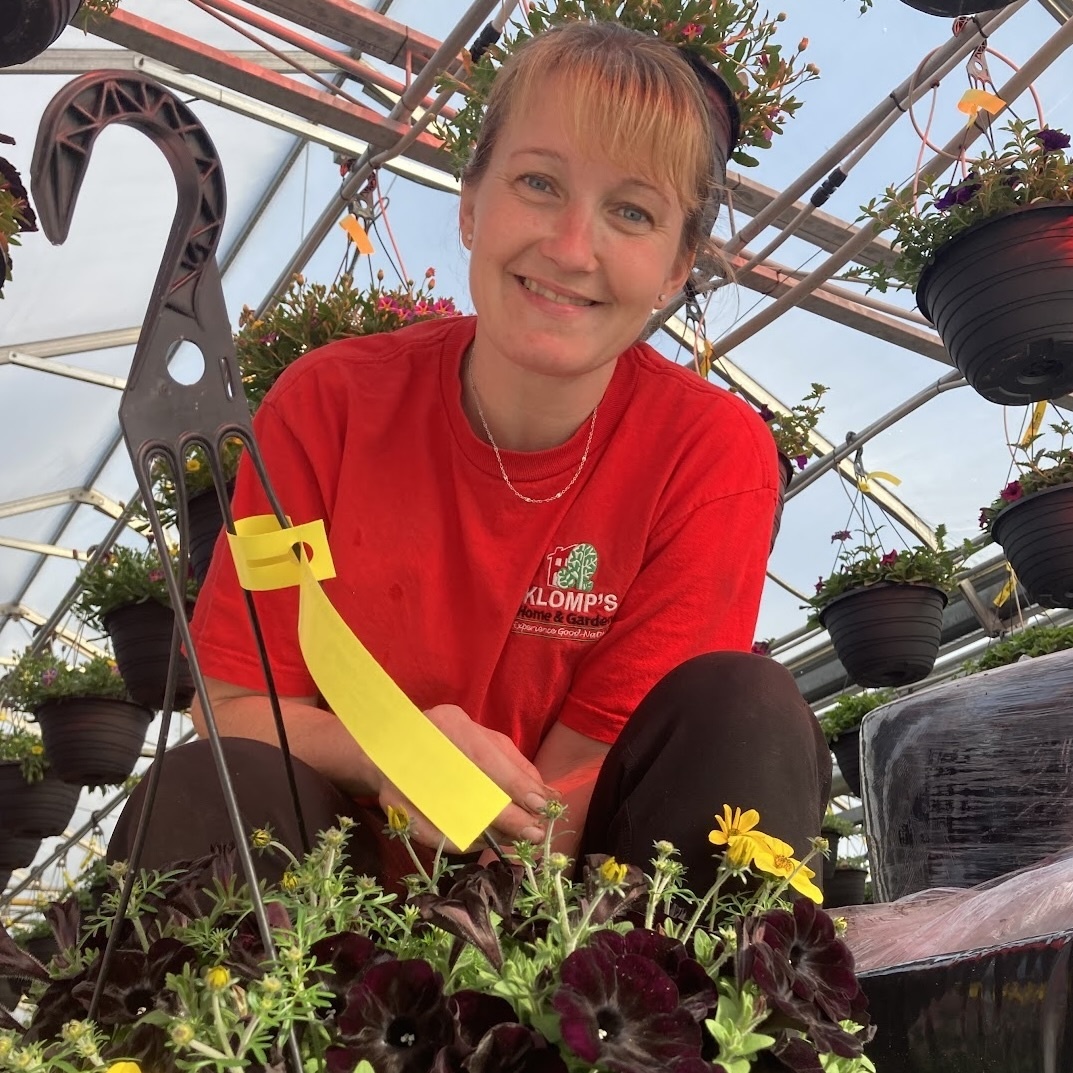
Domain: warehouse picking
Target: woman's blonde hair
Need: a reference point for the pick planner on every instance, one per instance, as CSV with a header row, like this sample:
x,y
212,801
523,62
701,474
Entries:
x,y
635,96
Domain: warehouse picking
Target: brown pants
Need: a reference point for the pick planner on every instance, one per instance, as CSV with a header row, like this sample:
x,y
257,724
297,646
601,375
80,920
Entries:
x,y
726,727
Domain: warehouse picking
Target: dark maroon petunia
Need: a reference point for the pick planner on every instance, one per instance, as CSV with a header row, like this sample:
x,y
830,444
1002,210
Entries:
x,y
623,1013
766,414
1012,492
396,1017
343,960
513,1048
1052,140
890,558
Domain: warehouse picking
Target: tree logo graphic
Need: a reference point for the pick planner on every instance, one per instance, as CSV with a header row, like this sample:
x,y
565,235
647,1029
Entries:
x,y
573,567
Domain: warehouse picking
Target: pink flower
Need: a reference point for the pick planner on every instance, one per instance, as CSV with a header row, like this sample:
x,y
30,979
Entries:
x,y
691,31
890,558
841,535
985,517
762,648
1012,492
819,586
156,575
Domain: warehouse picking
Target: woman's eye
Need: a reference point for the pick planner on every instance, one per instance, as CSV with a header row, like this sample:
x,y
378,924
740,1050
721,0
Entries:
x,y
536,182
635,215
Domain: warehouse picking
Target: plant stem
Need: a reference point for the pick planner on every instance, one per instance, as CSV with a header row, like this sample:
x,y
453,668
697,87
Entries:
x,y
221,1029
713,890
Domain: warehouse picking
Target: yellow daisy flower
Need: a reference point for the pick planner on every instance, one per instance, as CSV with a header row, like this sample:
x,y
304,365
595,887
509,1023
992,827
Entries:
x,y
775,858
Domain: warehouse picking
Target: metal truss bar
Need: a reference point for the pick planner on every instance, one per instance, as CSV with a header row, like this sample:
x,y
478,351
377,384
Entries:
x,y
887,110
186,53
75,61
787,586
79,344
1032,68
759,395
819,467
1060,9
10,611
255,109
358,28
72,372
464,31
41,549
89,496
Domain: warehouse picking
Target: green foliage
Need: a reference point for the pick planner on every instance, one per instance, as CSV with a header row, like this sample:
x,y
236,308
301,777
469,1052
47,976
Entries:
x,y
16,216
867,564
1034,472
924,220
848,711
1035,641
734,37
125,576
834,822
791,428
19,744
37,679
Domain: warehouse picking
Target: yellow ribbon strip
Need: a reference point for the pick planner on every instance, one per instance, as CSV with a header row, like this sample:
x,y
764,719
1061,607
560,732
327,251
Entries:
x,y
1034,424
358,235
1007,589
865,483
974,101
426,766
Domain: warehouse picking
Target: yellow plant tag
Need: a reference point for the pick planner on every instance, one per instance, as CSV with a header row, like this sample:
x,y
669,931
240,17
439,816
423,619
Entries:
x,y
977,100
1007,589
1034,424
426,766
865,483
352,226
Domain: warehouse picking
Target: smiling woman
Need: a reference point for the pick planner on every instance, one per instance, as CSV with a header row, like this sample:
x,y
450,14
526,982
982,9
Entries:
x,y
552,538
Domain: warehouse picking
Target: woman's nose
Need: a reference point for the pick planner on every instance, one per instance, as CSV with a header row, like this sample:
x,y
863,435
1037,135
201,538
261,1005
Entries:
x,y
571,241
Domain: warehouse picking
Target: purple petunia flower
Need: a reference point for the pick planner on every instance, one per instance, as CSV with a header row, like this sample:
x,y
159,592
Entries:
x,y
761,648
802,461
957,195
49,675
841,535
1012,492
622,1013
766,414
890,558
819,585
1052,140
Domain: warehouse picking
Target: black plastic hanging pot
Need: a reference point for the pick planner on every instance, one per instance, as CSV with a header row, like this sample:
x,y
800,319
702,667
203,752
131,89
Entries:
x,y
1036,533
847,886
28,27
951,9
206,521
1001,298
141,639
17,851
40,808
886,634
93,741
786,472
847,750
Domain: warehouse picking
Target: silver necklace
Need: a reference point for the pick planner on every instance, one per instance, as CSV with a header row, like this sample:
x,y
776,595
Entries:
x,y
499,457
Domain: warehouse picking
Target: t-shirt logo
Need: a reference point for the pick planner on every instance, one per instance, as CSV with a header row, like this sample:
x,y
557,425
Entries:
x,y
573,567
563,601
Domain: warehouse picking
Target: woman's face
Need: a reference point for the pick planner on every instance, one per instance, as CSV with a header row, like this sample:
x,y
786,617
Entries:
x,y
569,252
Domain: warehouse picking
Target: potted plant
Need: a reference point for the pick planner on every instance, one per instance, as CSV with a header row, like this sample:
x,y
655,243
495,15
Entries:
x,y
33,801
848,884
791,429
990,256
948,9
91,728
834,828
307,315
1032,519
884,609
1035,641
749,79
505,967
126,595
16,216
841,726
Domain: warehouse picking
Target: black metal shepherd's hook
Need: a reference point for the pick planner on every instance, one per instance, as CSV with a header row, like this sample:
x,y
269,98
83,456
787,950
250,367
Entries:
x,y
162,419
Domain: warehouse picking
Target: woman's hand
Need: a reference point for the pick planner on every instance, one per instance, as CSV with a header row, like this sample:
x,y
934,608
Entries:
x,y
498,757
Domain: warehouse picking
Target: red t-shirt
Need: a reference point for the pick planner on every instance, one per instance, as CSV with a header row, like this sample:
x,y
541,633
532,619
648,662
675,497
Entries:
x,y
520,613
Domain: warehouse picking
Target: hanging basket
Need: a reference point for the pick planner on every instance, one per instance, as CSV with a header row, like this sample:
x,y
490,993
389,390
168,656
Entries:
x,y
1001,297
846,886
786,472
206,521
17,851
93,741
40,808
28,27
141,638
847,750
1036,533
886,634
951,9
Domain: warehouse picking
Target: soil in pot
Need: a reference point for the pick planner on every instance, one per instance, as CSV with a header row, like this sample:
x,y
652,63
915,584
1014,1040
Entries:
x,y
40,808
886,634
847,750
93,741
1036,533
141,638
998,295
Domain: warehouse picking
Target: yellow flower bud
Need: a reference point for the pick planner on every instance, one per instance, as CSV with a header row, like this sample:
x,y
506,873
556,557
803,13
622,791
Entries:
x,y
217,978
261,838
6,1046
558,862
398,820
612,874
290,881
182,1032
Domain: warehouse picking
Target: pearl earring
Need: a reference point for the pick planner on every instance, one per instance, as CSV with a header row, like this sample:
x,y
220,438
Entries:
x,y
661,298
